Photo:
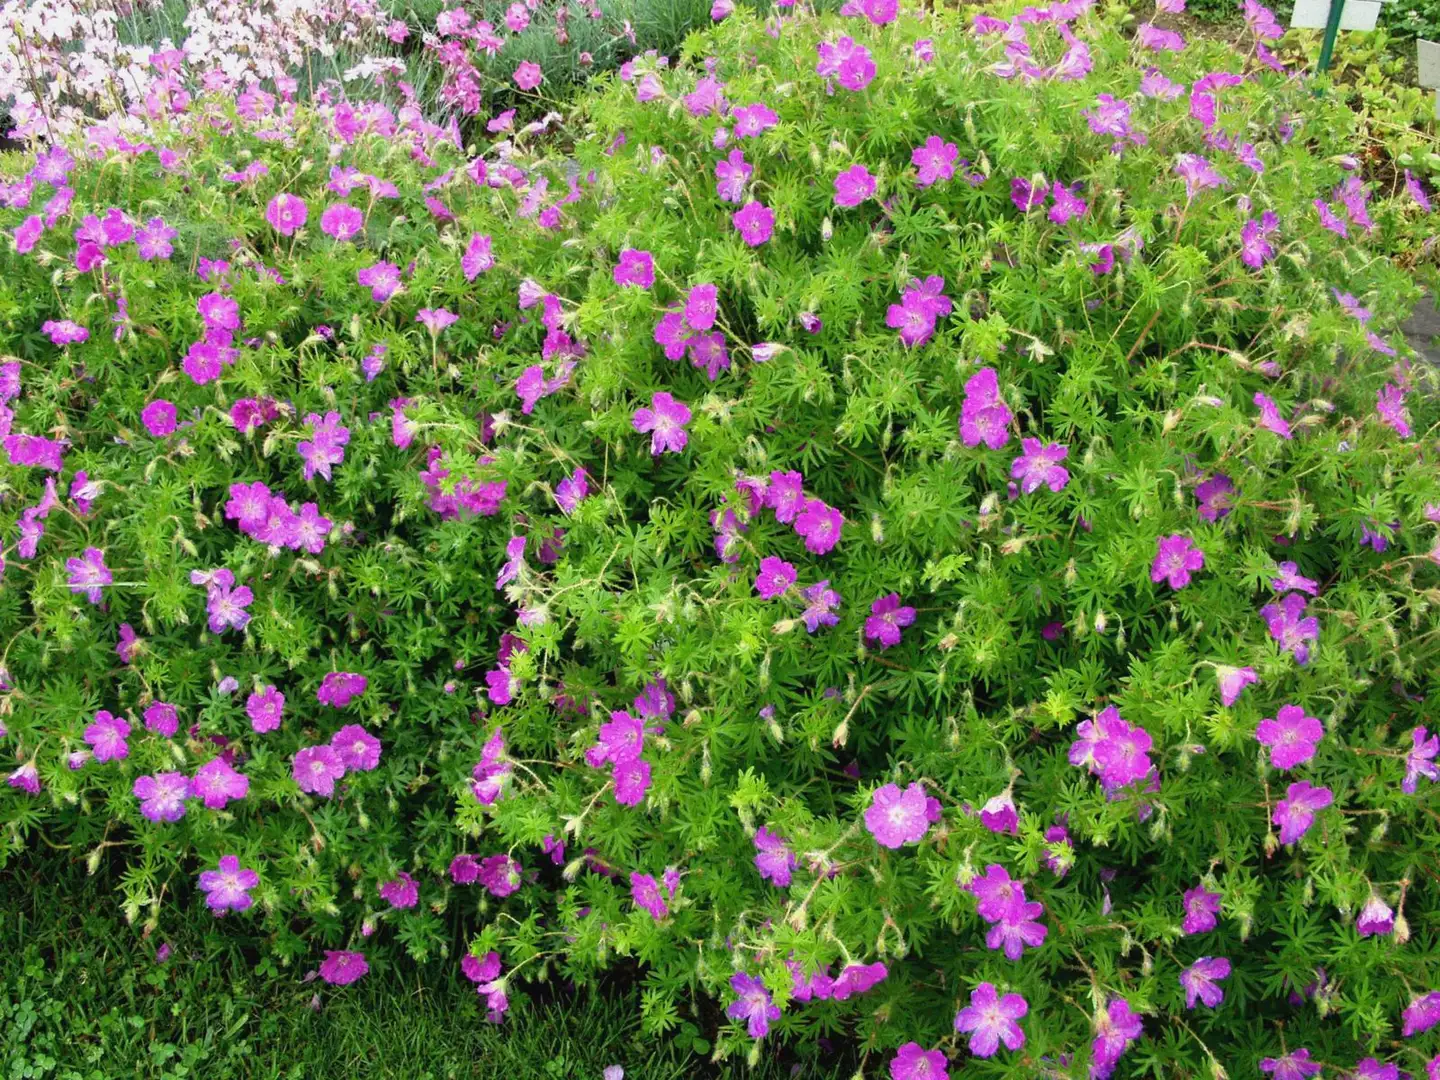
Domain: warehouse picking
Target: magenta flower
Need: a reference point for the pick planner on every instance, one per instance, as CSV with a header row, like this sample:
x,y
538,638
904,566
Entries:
x,y
753,1003
1017,927
1176,558
436,319
477,258
162,718
1200,981
1390,407
775,577
1027,196
341,221
528,75
1214,494
64,332
1296,1065
162,796
984,416
731,175
751,121
570,491
216,784
383,280
755,222
158,418
896,818
1066,205
226,608
1376,917
1421,1015
935,161
635,268
316,768
27,779
106,736
1000,816
820,525
914,1062
343,967
152,240
996,892
1290,626
887,619
1291,736
1420,760
359,751
1255,236
785,495
854,186
28,233
1289,578
1201,907
401,892
89,574
820,604
773,858
500,874
1270,418
665,419
1197,173
1115,1029
645,893
1040,464
1296,812
991,1020
339,688
1232,682
286,214
227,887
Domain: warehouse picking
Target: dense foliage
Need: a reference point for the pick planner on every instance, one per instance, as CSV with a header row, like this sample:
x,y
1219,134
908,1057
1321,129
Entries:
x,y
902,527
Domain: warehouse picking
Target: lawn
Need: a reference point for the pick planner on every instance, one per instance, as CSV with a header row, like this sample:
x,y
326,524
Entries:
x,y
82,997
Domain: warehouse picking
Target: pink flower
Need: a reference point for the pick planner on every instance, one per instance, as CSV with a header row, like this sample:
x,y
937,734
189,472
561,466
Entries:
x,y
216,784
775,577
316,768
1291,736
265,708
731,175
984,416
477,258
1270,418
854,186
158,418
436,319
887,619
286,214
341,221
89,574
755,222
528,75
228,886
357,749
106,736
753,1005
1200,979
635,268
1232,682
896,818
773,859
1040,464
1390,406
935,161
645,893
1176,558
383,280
64,332
665,419
1296,1065
820,525
343,968
1201,907
1420,760
991,1020
1296,812
1376,917
914,1062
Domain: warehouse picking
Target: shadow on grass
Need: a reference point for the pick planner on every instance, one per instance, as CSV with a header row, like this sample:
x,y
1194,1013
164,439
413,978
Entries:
x,y
83,997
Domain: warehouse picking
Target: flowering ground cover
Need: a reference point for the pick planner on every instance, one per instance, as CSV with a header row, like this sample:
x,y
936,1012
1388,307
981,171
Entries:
x,y
911,529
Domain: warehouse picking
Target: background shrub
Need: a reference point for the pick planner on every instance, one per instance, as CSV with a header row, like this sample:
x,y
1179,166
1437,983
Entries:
x,y
579,719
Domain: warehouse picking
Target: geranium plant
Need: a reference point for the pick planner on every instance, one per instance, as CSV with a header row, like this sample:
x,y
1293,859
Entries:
x,y
896,524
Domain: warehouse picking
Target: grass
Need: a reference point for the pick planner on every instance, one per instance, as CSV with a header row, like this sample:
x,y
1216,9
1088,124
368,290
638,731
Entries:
x,y
82,997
